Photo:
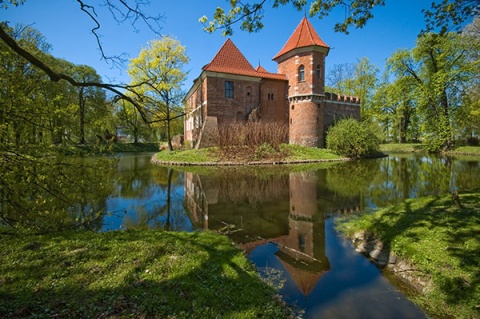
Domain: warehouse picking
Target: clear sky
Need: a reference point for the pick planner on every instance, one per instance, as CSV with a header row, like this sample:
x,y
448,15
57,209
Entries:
x,y
67,29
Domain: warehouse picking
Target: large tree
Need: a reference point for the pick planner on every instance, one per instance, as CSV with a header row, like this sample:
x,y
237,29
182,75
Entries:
x,y
157,75
442,70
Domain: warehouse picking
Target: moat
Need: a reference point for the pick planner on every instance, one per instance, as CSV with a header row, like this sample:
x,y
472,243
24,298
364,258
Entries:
x,y
283,217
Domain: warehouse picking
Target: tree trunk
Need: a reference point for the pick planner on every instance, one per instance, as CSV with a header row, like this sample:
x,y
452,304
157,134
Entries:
x,y
169,134
81,104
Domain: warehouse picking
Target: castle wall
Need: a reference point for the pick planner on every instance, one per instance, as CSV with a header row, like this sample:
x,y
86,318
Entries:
x,y
337,107
196,110
314,71
246,94
273,101
305,123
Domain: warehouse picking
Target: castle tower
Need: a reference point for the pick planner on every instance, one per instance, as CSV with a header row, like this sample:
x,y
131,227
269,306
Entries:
x,y
302,61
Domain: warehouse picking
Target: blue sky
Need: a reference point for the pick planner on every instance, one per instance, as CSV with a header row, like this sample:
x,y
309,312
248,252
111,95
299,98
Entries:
x,y
67,29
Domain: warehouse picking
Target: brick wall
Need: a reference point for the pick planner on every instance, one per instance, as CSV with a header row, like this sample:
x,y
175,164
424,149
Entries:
x,y
273,101
313,63
231,110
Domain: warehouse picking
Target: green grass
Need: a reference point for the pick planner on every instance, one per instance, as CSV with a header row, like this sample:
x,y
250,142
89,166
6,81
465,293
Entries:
x,y
466,150
202,155
288,153
301,153
401,148
131,274
442,241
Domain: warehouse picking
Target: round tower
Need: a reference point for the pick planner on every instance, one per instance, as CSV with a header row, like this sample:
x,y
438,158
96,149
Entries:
x,y
302,60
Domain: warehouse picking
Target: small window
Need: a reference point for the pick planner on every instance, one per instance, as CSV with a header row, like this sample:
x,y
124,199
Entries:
x,y
229,89
270,96
293,107
301,242
301,73
319,71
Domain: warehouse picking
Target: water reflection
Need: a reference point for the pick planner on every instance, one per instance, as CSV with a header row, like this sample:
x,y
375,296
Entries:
x,y
284,222
283,218
145,196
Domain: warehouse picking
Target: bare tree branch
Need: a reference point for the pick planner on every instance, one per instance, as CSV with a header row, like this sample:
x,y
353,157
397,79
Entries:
x,y
57,76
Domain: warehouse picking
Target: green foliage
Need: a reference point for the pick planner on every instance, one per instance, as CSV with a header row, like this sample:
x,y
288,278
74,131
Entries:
x,y
436,74
157,76
442,241
350,138
360,80
42,189
131,274
442,15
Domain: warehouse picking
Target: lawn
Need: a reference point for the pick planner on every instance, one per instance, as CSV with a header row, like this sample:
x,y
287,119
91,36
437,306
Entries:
x,y
262,154
130,274
441,240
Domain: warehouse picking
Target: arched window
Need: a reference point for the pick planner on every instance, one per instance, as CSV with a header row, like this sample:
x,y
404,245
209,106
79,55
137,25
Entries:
x,y
319,71
301,73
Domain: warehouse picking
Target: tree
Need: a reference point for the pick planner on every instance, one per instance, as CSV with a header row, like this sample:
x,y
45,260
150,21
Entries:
x,y
359,80
443,15
91,100
340,78
394,108
157,75
441,70
121,11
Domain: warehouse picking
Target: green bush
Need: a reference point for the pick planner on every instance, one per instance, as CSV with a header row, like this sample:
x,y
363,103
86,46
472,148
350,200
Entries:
x,y
352,139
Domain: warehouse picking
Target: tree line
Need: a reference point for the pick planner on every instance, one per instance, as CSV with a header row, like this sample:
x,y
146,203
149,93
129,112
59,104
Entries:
x,y
429,93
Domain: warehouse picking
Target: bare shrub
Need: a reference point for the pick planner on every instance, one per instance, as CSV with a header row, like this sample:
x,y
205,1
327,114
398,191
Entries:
x,y
252,134
247,138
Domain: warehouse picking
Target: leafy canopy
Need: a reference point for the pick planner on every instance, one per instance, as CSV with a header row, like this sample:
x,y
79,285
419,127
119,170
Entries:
x,y
442,15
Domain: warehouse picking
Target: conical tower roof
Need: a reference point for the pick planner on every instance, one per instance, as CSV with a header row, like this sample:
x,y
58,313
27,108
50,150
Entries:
x,y
303,36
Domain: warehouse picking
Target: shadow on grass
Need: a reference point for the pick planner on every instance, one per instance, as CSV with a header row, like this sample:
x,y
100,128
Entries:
x,y
132,274
442,240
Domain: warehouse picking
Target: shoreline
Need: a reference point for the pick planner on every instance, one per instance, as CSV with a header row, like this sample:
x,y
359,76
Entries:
x,y
249,163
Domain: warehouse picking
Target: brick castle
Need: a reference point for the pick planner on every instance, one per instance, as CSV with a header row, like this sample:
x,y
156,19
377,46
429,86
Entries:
x,y
229,90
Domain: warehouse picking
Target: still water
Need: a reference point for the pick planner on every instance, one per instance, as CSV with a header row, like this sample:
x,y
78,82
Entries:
x,y
283,217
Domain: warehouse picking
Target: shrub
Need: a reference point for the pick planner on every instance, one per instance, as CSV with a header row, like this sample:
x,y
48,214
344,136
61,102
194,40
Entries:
x,y
352,139
256,138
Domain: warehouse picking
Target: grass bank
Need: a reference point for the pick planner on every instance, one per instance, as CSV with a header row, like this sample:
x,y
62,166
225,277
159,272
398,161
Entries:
x,y
417,147
466,150
401,148
107,148
131,274
441,241
263,154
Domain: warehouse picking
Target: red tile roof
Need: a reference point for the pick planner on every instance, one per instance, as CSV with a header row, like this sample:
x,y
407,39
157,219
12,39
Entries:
x,y
303,36
261,69
230,60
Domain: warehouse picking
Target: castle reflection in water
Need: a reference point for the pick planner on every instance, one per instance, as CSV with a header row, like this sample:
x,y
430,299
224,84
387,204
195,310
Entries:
x,y
287,210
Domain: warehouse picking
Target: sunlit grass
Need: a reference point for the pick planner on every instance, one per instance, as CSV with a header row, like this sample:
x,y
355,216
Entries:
x,y
189,155
467,150
137,274
286,153
443,242
401,148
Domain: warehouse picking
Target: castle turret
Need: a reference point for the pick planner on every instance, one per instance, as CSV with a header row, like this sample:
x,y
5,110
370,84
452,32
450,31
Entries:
x,y
302,60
